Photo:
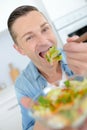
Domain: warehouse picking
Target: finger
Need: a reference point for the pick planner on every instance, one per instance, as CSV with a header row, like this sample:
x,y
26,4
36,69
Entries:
x,y
77,56
71,39
74,69
77,71
77,63
75,47
77,67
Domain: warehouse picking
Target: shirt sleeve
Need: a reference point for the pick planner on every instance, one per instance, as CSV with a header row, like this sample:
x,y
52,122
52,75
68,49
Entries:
x,y
27,121
31,128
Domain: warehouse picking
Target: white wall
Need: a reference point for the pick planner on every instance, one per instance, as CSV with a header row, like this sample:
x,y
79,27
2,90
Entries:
x,y
9,55
6,8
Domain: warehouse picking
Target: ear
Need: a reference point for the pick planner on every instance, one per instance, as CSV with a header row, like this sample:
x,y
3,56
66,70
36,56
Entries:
x,y
20,50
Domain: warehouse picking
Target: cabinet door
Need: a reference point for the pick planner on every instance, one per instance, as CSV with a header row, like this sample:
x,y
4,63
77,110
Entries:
x,y
10,117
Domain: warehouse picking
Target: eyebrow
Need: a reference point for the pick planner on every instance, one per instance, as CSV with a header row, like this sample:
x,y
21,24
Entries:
x,y
44,24
26,34
31,31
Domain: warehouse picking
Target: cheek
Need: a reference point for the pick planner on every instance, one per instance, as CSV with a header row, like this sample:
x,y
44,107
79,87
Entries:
x,y
53,37
54,40
30,51
29,48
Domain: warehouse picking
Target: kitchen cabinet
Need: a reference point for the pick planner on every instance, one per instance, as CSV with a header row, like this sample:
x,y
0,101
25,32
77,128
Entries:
x,y
58,8
10,120
10,115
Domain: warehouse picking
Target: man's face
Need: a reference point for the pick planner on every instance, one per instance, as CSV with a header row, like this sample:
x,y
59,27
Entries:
x,y
34,37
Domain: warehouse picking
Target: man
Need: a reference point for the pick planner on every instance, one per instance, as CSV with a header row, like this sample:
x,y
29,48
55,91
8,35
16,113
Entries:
x,y
33,36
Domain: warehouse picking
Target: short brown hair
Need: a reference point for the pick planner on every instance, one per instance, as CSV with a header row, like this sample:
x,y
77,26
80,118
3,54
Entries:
x,y
18,12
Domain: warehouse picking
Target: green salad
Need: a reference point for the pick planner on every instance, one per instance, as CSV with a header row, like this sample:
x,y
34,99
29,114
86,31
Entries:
x,y
53,54
65,106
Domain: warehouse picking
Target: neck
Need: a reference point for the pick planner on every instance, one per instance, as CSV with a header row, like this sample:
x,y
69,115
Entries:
x,y
53,73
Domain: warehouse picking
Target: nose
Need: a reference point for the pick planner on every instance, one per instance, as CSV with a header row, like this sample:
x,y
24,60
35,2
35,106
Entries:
x,y
42,39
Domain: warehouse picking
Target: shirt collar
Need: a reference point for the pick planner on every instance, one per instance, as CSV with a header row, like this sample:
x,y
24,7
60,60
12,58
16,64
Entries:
x,y
35,71
64,61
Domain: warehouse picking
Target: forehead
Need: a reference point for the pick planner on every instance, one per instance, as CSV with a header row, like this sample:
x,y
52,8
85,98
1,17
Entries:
x,y
29,22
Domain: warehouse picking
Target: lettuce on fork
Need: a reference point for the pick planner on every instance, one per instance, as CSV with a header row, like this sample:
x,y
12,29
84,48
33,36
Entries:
x,y
53,54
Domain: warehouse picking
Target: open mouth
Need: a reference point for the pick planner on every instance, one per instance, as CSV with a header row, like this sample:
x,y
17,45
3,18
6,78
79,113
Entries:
x,y
43,54
51,55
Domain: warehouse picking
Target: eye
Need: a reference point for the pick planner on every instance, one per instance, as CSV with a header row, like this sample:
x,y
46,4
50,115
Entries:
x,y
45,29
29,37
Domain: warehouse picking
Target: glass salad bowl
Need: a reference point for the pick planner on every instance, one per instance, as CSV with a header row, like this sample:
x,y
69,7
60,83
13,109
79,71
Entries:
x,y
60,107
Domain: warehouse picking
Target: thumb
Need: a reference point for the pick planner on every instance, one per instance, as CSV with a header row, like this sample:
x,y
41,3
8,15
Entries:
x,y
26,102
72,39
